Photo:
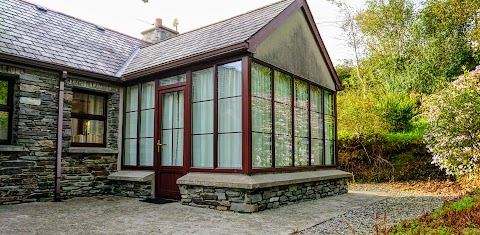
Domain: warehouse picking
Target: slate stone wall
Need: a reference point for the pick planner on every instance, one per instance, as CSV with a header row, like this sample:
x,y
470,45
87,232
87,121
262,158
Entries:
x,y
132,188
248,201
27,166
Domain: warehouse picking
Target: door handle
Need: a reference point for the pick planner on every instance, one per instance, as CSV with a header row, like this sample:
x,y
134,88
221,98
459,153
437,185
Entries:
x,y
159,144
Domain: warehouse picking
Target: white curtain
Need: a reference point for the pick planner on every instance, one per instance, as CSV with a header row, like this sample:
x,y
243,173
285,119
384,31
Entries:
x,y
172,128
202,118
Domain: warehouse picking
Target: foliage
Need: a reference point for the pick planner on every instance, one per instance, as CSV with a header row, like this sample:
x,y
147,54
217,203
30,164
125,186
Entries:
x,y
387,157
397,112
457,217
356,113
453,136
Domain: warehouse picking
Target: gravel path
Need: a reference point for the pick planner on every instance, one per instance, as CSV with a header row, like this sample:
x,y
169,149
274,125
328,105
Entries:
x,y
398,205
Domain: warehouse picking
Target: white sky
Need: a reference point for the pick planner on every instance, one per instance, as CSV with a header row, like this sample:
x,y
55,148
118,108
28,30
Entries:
x,y
132,16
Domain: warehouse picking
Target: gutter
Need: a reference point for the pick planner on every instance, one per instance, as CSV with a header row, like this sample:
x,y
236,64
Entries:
x,y
58,163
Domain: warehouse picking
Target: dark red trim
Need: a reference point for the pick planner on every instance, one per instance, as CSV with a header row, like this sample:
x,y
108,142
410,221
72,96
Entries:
x,y
56,68
230,51
10,79
215,116
84,116
217,170
335,162
309,126
292,111
246,115
156,136
290,169
187,151
272,104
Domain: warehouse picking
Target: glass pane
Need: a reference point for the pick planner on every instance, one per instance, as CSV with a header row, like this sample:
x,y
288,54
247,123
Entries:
x,y
132,99
131,125
3,93
261,150
329,127
283,151
230,80
130,154
3,125
317,152
317,125
202,85
261,81
147,124
177,147
202,117
329,104
178,109
87,103
172,147
283,88
301,94
301,151
148,95
167,147
230,150
202,150
230,115
316,99
301,122
167,110
173,80
329,152
146,151
87,131
283,119
261,115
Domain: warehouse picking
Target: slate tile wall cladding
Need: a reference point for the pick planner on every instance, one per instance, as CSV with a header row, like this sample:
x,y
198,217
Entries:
x,y
248,201
132,189
29,175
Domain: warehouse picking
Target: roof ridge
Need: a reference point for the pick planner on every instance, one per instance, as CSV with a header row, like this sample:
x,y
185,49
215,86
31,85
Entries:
x,y
88,22
218,22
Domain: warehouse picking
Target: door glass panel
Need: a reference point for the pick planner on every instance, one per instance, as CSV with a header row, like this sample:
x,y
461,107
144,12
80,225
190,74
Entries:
x,y
172,129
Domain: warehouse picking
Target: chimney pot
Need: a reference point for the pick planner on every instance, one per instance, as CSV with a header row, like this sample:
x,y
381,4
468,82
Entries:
x,y
158,22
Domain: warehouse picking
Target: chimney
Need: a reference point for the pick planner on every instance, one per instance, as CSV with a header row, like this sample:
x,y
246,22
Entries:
x,y
158,33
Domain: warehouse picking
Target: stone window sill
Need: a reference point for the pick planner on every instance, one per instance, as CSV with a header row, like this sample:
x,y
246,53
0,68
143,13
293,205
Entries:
x,y
133,176
12,148
91,150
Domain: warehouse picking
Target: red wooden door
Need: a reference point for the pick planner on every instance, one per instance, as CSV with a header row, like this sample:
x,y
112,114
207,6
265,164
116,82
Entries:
x,y
170,141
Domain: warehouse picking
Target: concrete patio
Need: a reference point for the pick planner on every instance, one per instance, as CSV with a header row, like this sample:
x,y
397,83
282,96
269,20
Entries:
x,y
117,215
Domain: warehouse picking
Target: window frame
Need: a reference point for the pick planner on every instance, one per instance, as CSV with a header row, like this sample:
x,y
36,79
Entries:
x,y
8,107
294,167
103,117
215,65
157,88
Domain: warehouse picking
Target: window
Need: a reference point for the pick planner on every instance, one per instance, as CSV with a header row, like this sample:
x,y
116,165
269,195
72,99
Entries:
x,y
139,140
217,117
294,135
89,116
6,110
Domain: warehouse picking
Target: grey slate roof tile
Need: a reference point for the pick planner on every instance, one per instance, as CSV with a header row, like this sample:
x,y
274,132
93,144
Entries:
x,y
209,38
54,37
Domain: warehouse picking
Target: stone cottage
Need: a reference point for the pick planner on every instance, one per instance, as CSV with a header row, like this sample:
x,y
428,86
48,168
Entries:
x,y
239,115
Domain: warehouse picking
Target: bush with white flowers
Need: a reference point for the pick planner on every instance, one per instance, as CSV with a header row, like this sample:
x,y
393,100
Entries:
x,y
453,135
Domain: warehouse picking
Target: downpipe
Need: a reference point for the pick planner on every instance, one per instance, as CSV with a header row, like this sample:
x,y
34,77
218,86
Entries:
x,y
58,163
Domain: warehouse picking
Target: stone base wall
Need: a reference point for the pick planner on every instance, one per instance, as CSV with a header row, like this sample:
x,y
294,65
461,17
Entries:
x,y
132,189
85,175
246,200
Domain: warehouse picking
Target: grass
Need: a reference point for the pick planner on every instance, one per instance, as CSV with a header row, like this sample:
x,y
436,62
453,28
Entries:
x,y
457,217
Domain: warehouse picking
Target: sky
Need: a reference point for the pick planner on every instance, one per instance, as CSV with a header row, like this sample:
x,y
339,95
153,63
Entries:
x,y
133,16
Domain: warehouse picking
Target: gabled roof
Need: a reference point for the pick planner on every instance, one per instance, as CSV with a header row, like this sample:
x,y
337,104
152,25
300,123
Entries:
x,y
224,34
55,38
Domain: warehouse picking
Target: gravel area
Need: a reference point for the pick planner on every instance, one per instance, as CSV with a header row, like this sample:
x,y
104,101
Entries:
x,y
343,214
398,205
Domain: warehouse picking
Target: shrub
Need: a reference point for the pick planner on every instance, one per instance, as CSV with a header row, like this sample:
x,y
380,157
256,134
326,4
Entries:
x,y
453,134
397,112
